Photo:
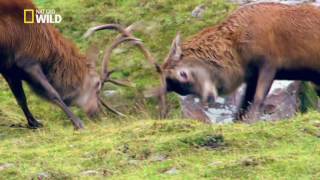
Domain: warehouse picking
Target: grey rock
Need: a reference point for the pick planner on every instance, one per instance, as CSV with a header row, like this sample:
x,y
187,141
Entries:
x,y
172,171
281,103
159,158
133,162
6,166
110,93
192,109
198,11
89,173
43,175
216,163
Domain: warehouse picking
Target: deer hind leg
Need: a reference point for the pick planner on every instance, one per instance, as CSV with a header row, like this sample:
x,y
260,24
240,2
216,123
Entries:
x,y
266,76
37,77
15,85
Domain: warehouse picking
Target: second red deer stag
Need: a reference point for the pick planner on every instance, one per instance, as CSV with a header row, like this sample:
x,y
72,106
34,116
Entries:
x,y
255,45
53,67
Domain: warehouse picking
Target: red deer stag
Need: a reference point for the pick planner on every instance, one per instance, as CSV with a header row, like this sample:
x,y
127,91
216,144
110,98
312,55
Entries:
x,y
256,44
53,67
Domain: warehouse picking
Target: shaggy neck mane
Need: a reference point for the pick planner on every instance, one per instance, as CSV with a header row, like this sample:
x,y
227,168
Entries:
x,y
67,64
64,66
218,45
214,45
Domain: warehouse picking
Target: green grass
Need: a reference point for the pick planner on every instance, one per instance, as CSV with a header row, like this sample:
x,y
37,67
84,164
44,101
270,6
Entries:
x,y
140,147
129,149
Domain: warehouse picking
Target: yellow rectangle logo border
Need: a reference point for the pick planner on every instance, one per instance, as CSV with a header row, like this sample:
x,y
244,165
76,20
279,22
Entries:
x,y
25,11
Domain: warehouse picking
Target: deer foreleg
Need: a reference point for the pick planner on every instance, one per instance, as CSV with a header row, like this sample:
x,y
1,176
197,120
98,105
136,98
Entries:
x,y
36,74
265,78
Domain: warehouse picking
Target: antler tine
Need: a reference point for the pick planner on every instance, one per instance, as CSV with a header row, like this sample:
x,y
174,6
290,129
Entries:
x,y
162,96
148,56
107,106
125,32
128,31
105,63
116,27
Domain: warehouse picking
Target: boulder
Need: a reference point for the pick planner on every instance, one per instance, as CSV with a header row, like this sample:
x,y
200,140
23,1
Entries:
x,y
198,11
284,100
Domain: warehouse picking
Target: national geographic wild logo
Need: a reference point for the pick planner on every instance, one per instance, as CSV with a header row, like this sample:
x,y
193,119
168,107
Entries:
x,y
41,16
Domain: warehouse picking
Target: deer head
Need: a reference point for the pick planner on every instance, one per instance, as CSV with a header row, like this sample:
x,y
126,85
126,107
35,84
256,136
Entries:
x,y
186,75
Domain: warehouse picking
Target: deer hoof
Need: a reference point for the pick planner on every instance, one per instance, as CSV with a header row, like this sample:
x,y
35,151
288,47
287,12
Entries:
x,y
78,125
34,124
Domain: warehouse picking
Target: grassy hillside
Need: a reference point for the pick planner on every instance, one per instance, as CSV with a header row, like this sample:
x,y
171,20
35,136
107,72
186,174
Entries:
x,y
139,147
171,149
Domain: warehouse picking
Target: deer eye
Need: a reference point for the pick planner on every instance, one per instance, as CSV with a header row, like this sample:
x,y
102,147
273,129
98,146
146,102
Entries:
x,y
183,74
98,85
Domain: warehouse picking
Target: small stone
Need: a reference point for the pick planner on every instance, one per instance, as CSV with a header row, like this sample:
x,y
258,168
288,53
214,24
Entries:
x,y
216,163
43,175
5,166
158,158
172,171
107,172
89,173
249,162
198,11
133,162
110,93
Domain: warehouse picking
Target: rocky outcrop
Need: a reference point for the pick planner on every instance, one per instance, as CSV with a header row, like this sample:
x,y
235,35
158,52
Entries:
x,y
284,100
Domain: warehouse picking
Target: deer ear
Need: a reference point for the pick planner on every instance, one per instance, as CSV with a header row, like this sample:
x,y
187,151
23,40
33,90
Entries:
x,y
92,54
176,51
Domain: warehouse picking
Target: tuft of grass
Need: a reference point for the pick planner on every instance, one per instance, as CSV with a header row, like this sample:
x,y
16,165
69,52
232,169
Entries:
x,y
308,97
209,141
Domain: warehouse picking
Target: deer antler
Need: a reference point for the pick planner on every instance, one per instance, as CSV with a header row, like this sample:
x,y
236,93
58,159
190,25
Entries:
x,y
107,106
106,73
162,91
126,35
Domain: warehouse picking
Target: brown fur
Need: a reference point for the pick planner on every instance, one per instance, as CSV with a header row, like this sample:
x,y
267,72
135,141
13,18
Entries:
x,y
66,67
267,37
51,64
